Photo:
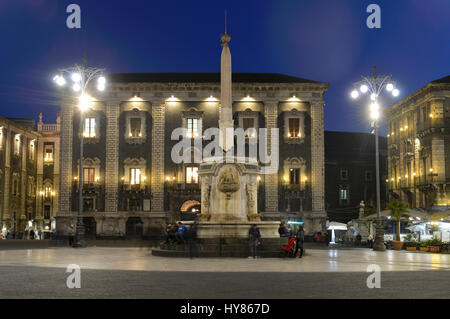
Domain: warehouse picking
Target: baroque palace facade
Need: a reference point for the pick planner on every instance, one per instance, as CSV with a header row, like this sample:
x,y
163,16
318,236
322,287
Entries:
x,y
29,175
419,147
131,184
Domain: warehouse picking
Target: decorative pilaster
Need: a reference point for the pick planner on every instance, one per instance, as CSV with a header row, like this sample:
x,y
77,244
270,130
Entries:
x,y
317,157
39,178
112,156
438,159
65,187
23,178
56,170
271,180
7,174
157,173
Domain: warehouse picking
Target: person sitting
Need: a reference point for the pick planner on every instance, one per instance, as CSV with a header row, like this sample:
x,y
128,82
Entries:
x,y
172,233
283,230
180,232
319,237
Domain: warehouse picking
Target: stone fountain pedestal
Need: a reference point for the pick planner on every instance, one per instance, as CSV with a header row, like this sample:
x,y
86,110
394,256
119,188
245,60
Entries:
x,y
229,200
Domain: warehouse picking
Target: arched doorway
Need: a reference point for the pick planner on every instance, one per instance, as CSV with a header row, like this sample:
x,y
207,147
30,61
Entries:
x,y
190,209
134,228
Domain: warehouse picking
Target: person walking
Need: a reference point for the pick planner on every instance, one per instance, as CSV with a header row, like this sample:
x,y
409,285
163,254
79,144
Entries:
x,y
299,240
254,237
370,241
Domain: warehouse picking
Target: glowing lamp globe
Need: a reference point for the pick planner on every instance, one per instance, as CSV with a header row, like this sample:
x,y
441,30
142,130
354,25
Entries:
x,y
389,87
363,88
354,94
76,77
59,80
395,92
76,87
101,80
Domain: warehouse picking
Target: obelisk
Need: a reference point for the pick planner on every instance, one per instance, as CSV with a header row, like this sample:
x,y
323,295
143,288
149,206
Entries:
x,y
226,118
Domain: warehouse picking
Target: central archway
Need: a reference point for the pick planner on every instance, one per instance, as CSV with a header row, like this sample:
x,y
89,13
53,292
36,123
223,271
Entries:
x,y
190,209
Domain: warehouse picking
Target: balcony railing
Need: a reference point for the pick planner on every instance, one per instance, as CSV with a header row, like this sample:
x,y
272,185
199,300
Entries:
x,y
54,128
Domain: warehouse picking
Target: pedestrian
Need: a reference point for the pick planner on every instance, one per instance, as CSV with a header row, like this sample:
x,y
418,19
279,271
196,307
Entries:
x,y
299,240
31,234
192,241
370,240
166,233
358,239
254,237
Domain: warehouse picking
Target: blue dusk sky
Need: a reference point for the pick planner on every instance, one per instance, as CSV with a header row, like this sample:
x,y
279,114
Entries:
x,y
323,40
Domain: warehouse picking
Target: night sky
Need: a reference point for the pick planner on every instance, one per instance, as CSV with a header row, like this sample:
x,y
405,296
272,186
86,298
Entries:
x,y
319,40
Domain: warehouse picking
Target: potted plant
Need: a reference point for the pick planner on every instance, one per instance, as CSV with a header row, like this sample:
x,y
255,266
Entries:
x,y
411,245
424,245
434,245
398,210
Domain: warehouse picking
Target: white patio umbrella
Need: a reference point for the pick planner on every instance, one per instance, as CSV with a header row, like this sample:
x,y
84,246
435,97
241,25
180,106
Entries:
x,y
335,226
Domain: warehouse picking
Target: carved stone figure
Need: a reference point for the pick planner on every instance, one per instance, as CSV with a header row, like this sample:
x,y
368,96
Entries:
x,y
251,197
228,179
205,199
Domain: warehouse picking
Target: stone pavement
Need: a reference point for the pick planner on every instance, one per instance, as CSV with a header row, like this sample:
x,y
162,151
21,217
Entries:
x,y
134,273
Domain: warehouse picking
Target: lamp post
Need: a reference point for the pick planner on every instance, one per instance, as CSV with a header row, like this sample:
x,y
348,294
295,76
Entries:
x,y
374,85
81,76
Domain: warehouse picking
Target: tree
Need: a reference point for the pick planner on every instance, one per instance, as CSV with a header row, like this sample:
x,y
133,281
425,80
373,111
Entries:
x,y
398,210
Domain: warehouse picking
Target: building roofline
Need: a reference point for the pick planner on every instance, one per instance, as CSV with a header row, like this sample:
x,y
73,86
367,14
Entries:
x,y
442,82
207,77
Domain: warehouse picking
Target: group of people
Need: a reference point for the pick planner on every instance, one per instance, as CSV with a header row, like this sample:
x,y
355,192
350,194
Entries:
x,y
178,233
31,234
299,237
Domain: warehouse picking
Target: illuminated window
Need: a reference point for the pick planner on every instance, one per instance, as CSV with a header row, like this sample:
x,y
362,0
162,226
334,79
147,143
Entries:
x,y
88,175
294,128
48,154
48,192
135,176
135,127
343,196
17,144
191,175
294,176
192,127
32,152
1,137
30,187
89,127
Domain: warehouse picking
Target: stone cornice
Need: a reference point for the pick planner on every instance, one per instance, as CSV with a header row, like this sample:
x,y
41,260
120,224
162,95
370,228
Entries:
x,y
422,95
320,87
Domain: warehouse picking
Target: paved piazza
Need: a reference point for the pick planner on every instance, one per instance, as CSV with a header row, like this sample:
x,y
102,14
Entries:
x,y
134,273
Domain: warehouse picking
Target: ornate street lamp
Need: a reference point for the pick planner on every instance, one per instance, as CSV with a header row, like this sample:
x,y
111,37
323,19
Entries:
x,y
374,85
81,76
